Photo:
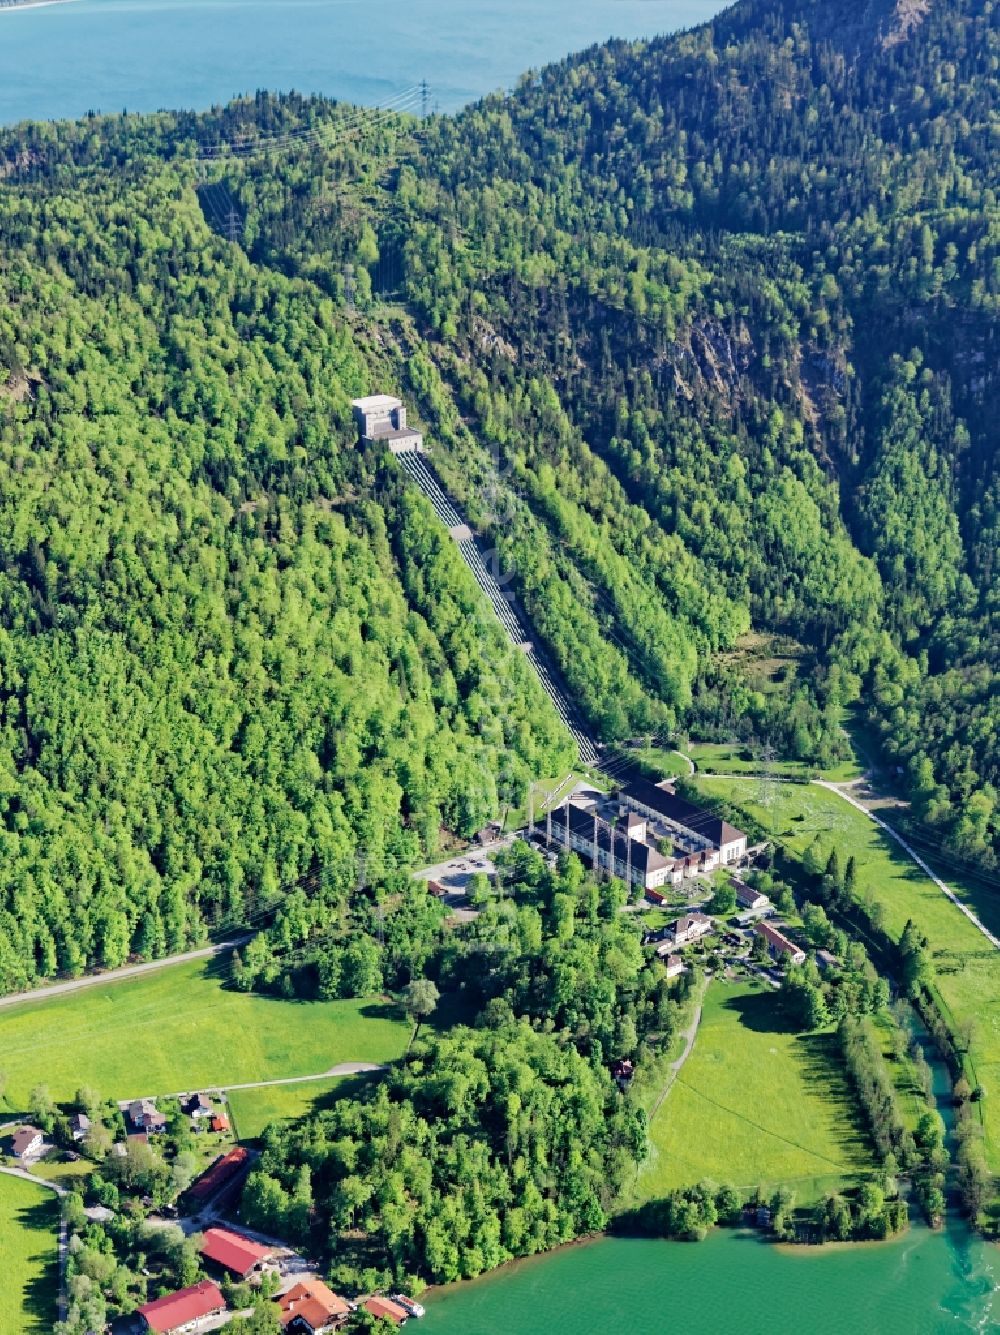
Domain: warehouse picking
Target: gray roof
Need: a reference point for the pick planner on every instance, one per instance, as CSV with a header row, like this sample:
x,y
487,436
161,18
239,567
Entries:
x,y
644,858
376,402
696,819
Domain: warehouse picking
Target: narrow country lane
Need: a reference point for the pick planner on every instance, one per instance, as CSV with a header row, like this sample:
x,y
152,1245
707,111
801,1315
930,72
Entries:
x,y
119,975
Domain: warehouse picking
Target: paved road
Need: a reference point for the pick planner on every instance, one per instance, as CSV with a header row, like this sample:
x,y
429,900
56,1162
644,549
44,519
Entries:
x,y
841,791
119,975
25,1176
344,1068
687,759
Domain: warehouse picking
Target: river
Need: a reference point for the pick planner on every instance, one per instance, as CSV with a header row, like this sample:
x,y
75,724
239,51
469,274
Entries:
x,y
67,59
924,1283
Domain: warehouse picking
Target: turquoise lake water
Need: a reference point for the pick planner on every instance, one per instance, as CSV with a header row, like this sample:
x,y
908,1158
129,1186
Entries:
x,y
105,55
924,1284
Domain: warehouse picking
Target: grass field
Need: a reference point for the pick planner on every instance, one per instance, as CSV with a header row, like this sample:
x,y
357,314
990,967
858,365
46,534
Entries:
x,y
967,966
180,1029
725,758
29,1222
253,1109
755,1105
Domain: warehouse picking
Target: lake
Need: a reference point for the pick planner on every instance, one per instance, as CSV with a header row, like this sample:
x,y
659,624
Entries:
x,y
922,1284
63,60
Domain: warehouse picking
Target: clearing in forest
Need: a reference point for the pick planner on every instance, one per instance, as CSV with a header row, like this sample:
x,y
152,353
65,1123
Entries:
x,y
180,1029
756,1105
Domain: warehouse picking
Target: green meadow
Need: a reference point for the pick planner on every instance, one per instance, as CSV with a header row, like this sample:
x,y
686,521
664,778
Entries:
x,y
966,965
29,1223
254,1109
178,1029
755,1105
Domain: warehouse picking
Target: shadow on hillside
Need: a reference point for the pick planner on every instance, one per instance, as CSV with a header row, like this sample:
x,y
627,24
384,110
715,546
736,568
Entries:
x,y
41,1221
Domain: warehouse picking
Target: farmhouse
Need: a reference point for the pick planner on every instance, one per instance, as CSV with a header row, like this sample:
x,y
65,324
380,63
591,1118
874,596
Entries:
x,y
311,1308
778,944
695,830
234,1252
382,418
385,1307
27,1142
225,1169
690,927
184,1310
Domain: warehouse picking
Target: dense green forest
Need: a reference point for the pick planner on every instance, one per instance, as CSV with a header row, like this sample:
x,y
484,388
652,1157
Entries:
x,y
498,1139
702,331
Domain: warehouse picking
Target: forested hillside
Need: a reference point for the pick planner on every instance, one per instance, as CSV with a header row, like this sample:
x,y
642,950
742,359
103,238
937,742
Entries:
x,y
703,331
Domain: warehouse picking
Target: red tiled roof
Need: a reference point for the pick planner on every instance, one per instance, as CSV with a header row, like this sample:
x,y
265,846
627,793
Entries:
x,y
778,939
314,1302
221,1171
220,1123
181,1308
233,1250
386,1307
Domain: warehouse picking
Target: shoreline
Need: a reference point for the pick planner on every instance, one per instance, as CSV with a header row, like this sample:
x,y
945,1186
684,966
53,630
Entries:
x,y
30,4
435,1292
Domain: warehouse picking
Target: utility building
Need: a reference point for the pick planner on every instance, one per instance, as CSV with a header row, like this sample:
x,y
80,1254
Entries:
x,y
382,419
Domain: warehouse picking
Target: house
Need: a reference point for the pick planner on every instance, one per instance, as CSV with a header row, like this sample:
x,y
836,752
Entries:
x,y
690,927
240,1255
436,889
656,896
198,1105
144,1116
99,1214
778,945
381,418
826,960
750,899
385,1307
223,1172
311,1308
220,1123
694,827
184,1310
79,1125
622,1070
27,1143
675,965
